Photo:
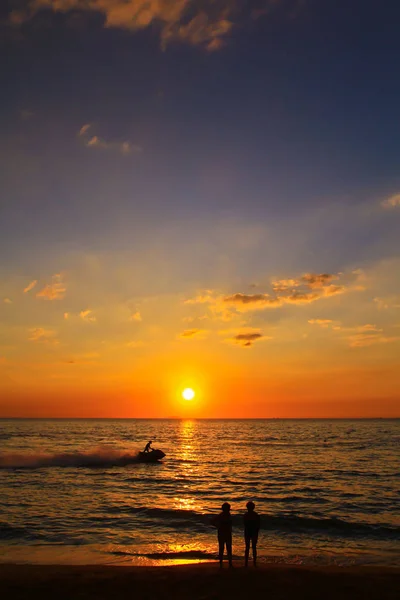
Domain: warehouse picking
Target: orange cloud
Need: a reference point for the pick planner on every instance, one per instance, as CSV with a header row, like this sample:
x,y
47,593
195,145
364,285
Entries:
x,y
55,290
87,316
391,202
282,285
207,297
7,301
309,288
206,23
136,316
247,339
313,280
361,340
191,333
320,322
123,147
252,301
30,286
39,334
84,129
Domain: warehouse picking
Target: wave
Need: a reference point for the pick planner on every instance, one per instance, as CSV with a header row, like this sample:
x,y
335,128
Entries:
x,y
99,457
190,554
290,523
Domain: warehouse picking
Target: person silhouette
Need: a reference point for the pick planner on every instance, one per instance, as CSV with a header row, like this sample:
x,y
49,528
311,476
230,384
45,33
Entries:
x,y
148,446
223,523
251,521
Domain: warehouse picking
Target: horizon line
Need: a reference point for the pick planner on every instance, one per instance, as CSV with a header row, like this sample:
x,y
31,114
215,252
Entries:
x,y
15,418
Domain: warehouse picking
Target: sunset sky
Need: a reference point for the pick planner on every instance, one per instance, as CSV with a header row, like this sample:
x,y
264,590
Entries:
x,y
200,194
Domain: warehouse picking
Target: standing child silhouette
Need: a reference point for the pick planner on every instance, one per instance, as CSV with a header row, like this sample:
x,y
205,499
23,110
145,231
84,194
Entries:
x,y
223,523
251,528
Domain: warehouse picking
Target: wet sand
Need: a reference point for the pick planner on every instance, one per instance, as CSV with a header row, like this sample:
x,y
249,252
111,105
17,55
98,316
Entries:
x,y
198,582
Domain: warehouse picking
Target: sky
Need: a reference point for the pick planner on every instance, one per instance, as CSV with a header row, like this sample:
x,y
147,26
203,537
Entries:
x,y
199,194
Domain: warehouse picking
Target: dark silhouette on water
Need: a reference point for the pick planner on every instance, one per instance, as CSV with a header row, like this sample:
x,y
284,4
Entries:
x,y
251,521
148,447
223,523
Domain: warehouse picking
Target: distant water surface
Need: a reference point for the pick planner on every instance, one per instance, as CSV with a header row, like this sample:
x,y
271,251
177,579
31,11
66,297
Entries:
x,y
328,491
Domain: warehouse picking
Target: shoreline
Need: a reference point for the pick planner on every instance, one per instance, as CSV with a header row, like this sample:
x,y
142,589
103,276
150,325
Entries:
x,y
70,556
200,581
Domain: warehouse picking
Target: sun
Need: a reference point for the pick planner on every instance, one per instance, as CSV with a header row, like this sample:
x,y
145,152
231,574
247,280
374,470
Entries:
x,y
188,394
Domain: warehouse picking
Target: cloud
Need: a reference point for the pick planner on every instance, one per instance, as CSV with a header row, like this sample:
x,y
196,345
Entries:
x,y
39,334
7,301
391,202
321,322
191,319
205,23
310,287
246,338
55,290
244,302
136,316
207,297
94,141
193,333
361,340
333,290
30,286
66,316
368,327
313,280
387,303
87,316
282,285
84,129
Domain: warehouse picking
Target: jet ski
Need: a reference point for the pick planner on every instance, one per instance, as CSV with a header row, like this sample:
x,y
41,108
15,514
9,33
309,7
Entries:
x,y
151,457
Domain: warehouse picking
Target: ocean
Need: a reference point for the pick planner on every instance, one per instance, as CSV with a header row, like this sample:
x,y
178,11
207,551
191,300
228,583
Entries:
x,y
72,491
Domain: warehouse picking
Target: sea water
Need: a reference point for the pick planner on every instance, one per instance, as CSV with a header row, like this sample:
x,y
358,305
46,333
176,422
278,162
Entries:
x,y
72,491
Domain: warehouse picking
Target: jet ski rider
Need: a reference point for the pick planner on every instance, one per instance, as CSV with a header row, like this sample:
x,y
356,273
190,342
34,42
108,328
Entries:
x,y
148,447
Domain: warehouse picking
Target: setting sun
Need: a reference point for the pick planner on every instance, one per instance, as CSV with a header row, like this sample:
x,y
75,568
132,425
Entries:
x,y
188,394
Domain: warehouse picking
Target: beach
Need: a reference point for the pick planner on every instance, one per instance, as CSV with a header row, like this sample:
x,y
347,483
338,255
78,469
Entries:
x,y
201,581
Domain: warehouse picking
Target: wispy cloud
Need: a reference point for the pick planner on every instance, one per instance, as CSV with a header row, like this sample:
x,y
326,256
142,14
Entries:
x,y
94,141
193,333
206,297
84,129
39,334
387,303
136,316
244,337
306,289
7,301
87,316
361,340
391,202
55,290
206,23
30,286
245,302
246,340
321,322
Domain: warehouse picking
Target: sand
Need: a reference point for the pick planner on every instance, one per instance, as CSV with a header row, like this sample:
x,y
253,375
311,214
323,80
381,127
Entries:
x,y
201,581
